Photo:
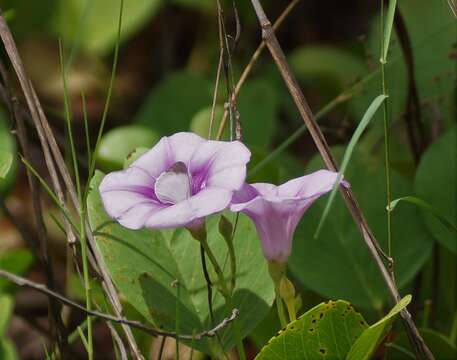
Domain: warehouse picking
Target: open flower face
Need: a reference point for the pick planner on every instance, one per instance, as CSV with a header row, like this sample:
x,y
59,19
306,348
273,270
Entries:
x,y
276,210
179,181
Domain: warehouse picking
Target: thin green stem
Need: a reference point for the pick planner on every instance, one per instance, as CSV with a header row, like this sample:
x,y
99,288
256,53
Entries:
x,y
280,308
383,62
177,316
68,120
87,285
86,127
226,294
82,230
48,190
108,96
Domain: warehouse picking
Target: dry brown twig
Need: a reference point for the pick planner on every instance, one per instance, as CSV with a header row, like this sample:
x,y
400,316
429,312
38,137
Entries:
x,y
277,53
247,70
52,154
20,281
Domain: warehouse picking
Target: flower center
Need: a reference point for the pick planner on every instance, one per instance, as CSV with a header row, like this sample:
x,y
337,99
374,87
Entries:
x,y
173,185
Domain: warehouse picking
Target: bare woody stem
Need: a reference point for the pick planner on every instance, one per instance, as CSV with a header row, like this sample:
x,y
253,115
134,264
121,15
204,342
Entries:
x,y
54,159
20,281
420,348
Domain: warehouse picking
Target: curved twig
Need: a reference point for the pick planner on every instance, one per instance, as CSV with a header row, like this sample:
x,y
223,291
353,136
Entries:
x,y
20,281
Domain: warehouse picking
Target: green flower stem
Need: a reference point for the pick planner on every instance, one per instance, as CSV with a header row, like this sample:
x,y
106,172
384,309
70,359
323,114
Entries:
x,y
225,293
280,308
226,230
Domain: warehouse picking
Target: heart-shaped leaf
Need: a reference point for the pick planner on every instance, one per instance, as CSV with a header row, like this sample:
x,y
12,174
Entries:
x,y
327,331
119,142
146,266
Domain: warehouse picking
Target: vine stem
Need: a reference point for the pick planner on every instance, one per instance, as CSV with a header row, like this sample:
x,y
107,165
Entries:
x,y
225,293
269,37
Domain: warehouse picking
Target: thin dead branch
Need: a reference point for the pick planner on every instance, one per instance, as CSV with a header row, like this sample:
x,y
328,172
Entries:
x,y
20,281
277,53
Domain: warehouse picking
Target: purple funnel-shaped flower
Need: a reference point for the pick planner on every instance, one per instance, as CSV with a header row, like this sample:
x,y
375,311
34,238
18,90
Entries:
x,y
276,210
180,180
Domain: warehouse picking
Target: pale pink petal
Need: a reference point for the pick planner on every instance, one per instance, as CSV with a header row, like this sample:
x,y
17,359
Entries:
x,y
276,210
224,163
206,202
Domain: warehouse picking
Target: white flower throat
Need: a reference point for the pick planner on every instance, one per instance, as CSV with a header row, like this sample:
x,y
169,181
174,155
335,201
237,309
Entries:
x,y
173,185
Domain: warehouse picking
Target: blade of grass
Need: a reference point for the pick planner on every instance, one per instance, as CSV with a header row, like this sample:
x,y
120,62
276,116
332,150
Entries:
x,y
86,127
6,160
374,106
48,190
82,230
83,339
426,207
388,29
108,95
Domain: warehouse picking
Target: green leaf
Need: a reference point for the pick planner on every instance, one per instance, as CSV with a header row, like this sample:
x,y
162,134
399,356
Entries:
x,y
201,121
326,331
324,265
439,345
374,106
6,310
258,104
436,183
7,350
15,261
169,108
144,264
30,17
6,160
134,155
389,21
205,5
119,142
434,69
94,23
321,65
371,338
424,206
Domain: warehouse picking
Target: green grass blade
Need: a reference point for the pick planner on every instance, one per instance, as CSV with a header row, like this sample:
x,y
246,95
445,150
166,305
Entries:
x,y
6,160
374,106
110,91
86,127
68,120
51,194
424,206
388,29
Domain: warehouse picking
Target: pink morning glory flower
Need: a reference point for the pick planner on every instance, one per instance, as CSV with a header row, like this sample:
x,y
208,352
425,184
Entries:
x,y
276,210
182,179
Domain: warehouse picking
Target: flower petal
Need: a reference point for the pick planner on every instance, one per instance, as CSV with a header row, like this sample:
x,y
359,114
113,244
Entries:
x,y
169,150
126,192
206,202
223,162
314,184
